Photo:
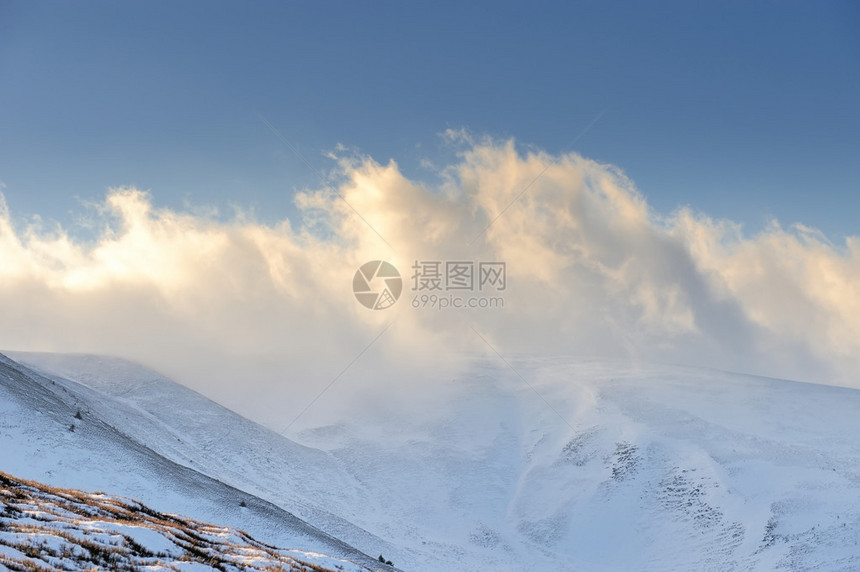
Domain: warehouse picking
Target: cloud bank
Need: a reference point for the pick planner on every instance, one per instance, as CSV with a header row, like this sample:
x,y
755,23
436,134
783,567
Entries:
x,y
262,317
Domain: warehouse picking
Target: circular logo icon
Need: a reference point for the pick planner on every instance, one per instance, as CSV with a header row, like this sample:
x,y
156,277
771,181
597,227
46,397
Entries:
x,y
377,285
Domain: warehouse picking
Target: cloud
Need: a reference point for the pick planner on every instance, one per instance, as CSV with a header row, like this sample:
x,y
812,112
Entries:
x,y
262,317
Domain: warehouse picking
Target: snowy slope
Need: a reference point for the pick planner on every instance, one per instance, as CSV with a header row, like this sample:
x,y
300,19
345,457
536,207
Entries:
x,y
42,527
610,467
660,468
43,439
195,432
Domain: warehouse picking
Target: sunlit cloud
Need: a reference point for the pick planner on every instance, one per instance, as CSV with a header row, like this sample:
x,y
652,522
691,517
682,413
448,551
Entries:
x,y
262,316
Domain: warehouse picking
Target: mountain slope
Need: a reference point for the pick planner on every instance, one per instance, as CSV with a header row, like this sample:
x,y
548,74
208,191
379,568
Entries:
x,y
612,466
44,528
49,435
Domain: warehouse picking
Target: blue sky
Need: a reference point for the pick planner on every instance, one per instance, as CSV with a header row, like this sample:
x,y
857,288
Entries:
x,y
741,110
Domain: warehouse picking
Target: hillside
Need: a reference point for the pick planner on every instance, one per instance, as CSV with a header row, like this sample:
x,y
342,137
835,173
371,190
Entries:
x,y
50,434
614,465
46,528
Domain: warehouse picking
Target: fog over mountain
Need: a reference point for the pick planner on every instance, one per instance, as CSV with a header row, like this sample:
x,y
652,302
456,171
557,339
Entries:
x,y
261,317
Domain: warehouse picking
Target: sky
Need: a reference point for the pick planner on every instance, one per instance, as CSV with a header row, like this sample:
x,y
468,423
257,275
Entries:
x,y
743,110
665,181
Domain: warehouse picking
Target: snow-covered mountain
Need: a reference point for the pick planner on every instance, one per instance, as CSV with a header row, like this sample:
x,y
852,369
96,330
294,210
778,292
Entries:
x,y
560,465
50,432
44,527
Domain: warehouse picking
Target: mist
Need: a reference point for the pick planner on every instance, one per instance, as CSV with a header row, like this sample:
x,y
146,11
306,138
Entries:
x,y
262,317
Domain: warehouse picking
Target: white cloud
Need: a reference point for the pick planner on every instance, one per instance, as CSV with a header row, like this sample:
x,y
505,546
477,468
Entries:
x,y
262,317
